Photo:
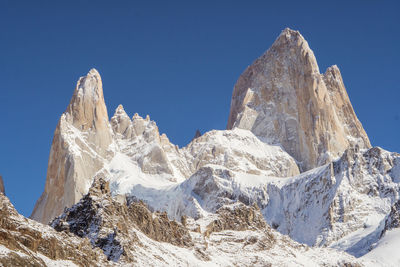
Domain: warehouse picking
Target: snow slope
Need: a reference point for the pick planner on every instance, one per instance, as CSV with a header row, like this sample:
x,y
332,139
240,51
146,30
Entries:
x,y
385,251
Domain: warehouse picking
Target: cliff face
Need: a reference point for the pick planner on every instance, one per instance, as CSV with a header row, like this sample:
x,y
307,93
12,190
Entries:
x,y
80,145
282,98
25,242
2,190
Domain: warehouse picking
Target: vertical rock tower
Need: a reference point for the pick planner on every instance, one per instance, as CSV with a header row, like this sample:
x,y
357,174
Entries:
x,y
2,190
79,149
283,99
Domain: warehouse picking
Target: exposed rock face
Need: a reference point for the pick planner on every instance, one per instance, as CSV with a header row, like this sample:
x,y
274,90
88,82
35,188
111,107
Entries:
x,y
111,225
238,217
80,145
139,139
86,219
25,242
158,227
2,189
282,98
393,219
197,134
87,111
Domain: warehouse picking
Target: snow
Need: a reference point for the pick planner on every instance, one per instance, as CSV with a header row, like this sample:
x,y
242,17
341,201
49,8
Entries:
x,y
125,174
386,251
56,263
341,205
325,206
49,262
231,248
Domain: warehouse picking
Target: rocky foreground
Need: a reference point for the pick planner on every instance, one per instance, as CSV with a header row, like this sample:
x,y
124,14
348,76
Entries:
x,y
102,231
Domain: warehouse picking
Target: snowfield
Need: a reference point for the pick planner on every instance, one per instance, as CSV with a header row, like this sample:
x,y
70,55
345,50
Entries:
x,y
386,251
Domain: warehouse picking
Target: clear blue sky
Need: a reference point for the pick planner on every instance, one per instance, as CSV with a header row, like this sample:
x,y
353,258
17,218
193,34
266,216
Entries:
x,y
177,62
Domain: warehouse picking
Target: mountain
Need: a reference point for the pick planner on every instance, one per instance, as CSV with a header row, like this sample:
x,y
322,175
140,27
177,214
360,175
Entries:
x,y
283,99
80,145
293,181
132,152
25,242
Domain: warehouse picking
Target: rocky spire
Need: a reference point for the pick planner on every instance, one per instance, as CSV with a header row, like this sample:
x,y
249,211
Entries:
x,y
2,189
197,134
87,110
121,123
80,145
282,98
87,107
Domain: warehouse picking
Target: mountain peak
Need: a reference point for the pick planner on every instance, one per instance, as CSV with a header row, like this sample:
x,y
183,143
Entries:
x,y
71,162
283,99
93,72
287,32
120,111
120,121
87,108
2,190
197,134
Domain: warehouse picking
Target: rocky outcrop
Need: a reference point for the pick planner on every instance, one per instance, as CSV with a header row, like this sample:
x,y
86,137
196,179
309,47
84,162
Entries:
x,y
80,145
197,134
282,98
238,217
158,227
93,217
110,224
2,189
25,242
139,139
393,219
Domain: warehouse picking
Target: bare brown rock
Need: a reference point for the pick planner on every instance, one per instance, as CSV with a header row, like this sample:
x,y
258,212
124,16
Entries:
x,y
282,98
237,217
111,225
26,239
159,228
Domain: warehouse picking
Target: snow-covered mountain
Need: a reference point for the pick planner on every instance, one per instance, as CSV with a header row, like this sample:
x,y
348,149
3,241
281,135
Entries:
x,y
293,181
